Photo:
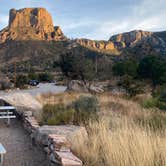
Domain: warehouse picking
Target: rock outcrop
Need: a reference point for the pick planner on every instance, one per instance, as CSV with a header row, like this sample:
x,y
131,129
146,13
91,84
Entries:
x,y
30,24
80,86
101,45
143,40
130,38
116,42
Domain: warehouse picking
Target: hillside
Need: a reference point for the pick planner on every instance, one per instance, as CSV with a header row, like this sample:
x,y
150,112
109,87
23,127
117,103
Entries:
x,y
144,42
32,42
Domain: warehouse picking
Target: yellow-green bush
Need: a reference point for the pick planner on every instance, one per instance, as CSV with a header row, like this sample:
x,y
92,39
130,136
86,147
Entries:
x,y
57,114
78,112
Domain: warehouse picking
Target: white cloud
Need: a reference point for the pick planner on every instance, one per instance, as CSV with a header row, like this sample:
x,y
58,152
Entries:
x,y
148,15
145,14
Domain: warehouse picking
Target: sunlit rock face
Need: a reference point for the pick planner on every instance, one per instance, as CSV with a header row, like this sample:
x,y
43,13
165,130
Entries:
x,y
119,41
30,24
101,45
131,38
142,42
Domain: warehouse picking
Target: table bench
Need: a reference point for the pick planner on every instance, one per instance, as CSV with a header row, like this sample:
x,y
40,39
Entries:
x,y
6,112
2,153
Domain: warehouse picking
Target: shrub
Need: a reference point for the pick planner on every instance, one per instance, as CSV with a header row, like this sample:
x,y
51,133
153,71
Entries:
x,y
161,105
154,102
132,86
57,114
21,81
33,76
5,84
85,108
153,68
162,95
78,67
45,77
125,68
150,103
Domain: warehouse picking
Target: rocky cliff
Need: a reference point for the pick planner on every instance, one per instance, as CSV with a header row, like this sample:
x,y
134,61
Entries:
x,y
129,39
138,39
30,24
102,45
30,41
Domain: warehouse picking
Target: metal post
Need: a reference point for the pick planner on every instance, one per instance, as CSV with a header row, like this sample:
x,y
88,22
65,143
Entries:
x,y
8,119
1,159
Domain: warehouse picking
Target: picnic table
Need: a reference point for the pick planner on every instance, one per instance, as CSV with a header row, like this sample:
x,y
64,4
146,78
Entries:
x,y
6,112
2,153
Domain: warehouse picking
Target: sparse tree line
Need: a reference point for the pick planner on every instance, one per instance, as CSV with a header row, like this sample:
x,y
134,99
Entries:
x,y
134,75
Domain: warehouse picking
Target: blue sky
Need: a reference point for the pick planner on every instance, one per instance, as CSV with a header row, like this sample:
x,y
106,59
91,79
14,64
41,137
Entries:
x,y
96,19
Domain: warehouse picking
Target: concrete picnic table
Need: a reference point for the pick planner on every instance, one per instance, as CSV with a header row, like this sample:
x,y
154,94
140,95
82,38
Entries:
x,y
2,153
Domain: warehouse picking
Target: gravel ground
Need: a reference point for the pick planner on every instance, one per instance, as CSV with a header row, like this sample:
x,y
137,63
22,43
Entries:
x,y
40,89
19,148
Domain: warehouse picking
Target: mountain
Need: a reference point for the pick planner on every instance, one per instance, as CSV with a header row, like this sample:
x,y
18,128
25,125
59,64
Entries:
x,y
30,24
146,41
32,42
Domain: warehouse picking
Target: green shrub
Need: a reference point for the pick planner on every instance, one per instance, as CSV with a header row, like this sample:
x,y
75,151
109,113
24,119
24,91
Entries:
x,y
153,68
132,86
79,112
33,76
85,108
161,105
21,81
127,67
150,103
45,77
57,114
154,102
162,96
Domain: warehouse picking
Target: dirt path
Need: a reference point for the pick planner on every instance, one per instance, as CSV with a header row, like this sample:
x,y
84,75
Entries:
x,y
18,145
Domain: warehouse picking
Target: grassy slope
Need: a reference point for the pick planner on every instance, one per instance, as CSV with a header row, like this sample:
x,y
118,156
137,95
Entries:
x,y
126,135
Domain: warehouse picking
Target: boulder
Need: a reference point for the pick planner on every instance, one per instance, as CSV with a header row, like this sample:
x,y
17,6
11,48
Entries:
x,y
80,86
67,159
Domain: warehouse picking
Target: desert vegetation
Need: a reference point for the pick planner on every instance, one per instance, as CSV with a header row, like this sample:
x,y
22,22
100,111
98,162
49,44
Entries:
x,y
125,133
78,112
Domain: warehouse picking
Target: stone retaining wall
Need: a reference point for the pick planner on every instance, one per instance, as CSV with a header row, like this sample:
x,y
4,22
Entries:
x,y
54,140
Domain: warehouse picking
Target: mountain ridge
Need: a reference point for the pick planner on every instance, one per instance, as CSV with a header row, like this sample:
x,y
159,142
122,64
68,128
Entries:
x,y
31,39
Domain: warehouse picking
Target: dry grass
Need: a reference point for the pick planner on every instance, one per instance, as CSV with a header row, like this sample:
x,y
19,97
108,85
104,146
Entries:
x,y
122,144
126,135
60,98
